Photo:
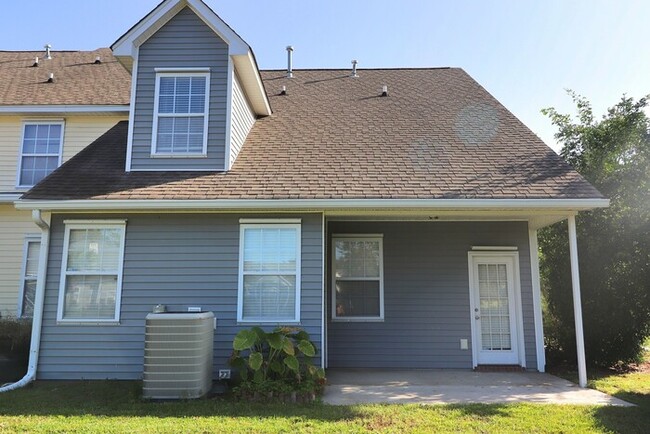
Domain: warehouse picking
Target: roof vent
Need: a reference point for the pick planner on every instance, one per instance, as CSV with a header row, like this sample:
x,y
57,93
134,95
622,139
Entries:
x,y
289,61
50,79
98,60
284,90
384,90
354,69
48,53
35,64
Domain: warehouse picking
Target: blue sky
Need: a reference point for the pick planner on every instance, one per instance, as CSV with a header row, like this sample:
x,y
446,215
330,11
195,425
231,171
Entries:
x,y
524,52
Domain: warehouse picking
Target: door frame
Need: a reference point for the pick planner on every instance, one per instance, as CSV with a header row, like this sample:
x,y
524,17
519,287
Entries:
x,y
519,323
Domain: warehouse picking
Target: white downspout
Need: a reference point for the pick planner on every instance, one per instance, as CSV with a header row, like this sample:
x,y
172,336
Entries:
x,y
39,298
577,304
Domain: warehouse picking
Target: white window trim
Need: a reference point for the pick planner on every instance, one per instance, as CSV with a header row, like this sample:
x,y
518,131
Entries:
x,y
30,238
22,142
156,114
89,224
359,237
240,287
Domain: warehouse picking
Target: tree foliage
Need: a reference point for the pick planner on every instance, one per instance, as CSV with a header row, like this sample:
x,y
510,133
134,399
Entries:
x,y
613,154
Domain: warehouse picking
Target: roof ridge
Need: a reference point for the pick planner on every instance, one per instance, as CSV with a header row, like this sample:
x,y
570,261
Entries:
x,y
54,51
414,68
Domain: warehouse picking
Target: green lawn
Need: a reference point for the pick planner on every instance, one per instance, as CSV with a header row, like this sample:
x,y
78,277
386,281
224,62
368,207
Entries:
x,y
115,407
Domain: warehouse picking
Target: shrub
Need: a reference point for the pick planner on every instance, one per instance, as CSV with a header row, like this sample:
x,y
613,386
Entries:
x,y
278,363
15,335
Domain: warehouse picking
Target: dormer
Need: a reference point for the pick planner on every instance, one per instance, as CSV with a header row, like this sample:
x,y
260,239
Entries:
x,y
196,89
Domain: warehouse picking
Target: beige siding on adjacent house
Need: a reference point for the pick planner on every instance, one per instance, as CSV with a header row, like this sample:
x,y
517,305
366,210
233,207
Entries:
x,y
79,132
14,226
242,119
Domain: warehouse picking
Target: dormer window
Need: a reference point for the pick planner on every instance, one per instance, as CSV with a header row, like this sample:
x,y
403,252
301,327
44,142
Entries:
x,y
180,124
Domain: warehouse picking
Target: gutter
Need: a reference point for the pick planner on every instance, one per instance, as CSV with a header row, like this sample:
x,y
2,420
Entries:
x,y
314,204
64,108
37,320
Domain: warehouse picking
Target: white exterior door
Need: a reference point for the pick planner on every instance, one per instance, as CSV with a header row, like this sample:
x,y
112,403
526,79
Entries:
x,y
494,292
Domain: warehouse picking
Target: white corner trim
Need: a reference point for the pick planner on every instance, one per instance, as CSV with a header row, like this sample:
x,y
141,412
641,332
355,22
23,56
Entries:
x,y
572,205
323,322
134,87
227,164
537,300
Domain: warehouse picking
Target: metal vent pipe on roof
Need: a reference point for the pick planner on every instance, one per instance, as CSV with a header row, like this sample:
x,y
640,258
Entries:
x,y
354,69
289,61
48,54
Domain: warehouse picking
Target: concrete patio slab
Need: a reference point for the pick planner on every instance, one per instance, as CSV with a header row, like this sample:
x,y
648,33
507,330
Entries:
x,y
446,386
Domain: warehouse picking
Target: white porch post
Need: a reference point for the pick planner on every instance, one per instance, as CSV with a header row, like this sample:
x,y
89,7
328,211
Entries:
x,y
537,300
577,305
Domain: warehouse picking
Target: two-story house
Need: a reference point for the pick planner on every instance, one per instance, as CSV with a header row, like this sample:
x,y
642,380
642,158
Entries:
x,y
52,105
392,213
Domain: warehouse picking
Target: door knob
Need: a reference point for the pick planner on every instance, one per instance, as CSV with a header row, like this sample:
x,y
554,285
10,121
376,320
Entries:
x,y
477,317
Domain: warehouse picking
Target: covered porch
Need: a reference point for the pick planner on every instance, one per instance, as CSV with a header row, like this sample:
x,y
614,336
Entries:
x,y
439,290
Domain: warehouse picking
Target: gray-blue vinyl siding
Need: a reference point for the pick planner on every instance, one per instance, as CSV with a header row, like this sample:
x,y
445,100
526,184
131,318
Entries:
x,y
185,41
426,295
242,120
179,260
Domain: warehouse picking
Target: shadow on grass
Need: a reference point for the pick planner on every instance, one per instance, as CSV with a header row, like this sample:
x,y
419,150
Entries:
x,y
633,419
124,398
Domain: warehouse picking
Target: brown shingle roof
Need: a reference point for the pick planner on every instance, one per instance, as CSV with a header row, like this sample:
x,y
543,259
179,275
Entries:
x,y
437,135
78,81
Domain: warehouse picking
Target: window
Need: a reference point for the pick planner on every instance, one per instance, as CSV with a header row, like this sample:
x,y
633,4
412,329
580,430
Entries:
x,y
358,288
181,114
40,151
29,276
269,273
91,277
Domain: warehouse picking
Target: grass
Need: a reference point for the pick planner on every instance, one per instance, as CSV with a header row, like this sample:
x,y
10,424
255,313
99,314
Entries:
x,y
116,407
633,386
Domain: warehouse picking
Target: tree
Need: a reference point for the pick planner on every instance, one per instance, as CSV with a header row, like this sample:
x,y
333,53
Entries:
x,y
612,153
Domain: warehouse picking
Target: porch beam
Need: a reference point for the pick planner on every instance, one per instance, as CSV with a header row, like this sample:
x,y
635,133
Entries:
x,y
537,299
577,304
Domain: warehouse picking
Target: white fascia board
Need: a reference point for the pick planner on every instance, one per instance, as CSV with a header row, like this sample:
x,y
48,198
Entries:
x,y
36,109
568,205
164,12
251,81
126,44
9,197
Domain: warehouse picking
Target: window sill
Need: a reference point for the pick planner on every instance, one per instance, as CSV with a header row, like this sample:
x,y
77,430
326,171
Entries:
x,y
87,323
276,322
357,319
200,155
